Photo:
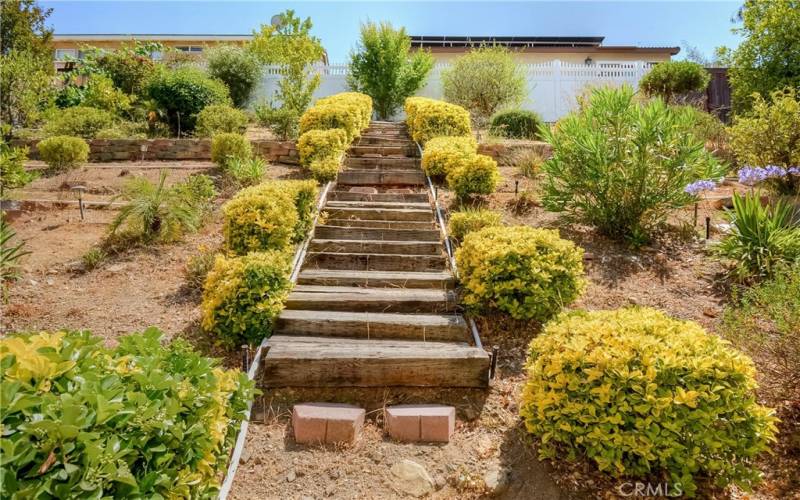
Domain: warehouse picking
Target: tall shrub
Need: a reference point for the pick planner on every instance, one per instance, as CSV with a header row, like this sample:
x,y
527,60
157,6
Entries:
x,y
237,67
183,92
383,67
670,80
484,81
621,166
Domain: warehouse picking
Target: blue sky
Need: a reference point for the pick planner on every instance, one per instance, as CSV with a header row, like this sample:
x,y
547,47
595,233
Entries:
x,y
705,24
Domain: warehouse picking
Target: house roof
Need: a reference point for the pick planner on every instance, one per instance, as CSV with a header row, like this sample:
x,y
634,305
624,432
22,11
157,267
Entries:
x,y
531,44
90,37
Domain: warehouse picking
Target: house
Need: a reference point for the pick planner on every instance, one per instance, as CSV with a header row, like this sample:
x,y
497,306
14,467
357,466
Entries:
x,y
70,45
540,49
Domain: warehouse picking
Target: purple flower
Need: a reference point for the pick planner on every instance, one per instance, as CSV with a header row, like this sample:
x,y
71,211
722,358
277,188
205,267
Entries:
x,y
753,175
698,187
793,171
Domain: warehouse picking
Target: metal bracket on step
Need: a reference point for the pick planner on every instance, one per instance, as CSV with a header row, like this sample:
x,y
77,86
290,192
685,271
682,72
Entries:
x,y
493,361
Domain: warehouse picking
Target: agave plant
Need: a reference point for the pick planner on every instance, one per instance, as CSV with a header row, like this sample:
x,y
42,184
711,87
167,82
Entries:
x,y
763,237
156,210
10,253
245,171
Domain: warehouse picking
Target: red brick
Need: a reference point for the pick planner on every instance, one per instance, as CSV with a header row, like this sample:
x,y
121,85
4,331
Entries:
x,y
326,422
429,423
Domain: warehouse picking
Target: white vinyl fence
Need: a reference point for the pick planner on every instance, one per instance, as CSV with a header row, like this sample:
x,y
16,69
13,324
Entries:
x,y
552,86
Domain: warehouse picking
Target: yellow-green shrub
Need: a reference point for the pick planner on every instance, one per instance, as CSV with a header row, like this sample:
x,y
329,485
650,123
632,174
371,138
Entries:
x,y
475,174
468,221
62,152
526,272
428,118
445,153
242,296
320,144
349,111
229,145
220,118
362,103
641,394
325,169
268,216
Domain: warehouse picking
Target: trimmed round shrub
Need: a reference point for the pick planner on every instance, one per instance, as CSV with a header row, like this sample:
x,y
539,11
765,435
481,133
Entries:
x,y
669,79
226,146
79,121
242,296
237,67
525,272
332,116
516,124
470,220
428,118
325,169
640,393
258,219
219,118
183,92
360,103
475,174
321,144
445,153
63,152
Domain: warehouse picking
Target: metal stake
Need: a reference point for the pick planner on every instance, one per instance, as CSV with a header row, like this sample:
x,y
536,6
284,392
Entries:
x,y
695,214
516,187
80,190
708,227
245,357
493,365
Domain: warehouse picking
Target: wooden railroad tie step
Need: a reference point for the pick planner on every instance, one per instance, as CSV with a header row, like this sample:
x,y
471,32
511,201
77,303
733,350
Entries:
x,y
374,262
381,224
332,231
382,162
438,280
356,299
377,247
365,325
295,361
379,197
386,214
424,205
382,177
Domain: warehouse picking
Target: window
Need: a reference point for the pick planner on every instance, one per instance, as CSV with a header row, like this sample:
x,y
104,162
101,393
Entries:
x,y
189,48
63,54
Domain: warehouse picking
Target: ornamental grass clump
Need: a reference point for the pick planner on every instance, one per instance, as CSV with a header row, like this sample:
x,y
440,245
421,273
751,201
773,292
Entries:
x,y
242,296
527,273
142,420
622,166
646,396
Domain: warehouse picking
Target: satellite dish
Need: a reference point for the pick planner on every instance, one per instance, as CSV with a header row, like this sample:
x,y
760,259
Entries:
x,y
277,20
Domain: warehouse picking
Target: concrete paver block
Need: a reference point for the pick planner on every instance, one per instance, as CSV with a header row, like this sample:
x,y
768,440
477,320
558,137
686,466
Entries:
x,y
429,423
327,422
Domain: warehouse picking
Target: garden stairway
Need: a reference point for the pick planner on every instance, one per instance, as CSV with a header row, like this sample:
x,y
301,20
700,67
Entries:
x,y
375,304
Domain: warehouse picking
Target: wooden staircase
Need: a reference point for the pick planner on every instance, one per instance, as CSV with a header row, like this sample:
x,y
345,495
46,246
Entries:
x,y
374,303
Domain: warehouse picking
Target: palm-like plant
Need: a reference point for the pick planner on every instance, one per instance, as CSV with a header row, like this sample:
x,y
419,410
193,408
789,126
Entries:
x,y
156,210
762,237
10,253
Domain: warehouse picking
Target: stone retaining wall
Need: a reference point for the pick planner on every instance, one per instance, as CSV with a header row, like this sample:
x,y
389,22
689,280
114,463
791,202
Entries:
x,y
105,150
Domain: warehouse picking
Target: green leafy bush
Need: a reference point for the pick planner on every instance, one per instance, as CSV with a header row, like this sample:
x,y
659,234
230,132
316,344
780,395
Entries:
x,y
383,67
80,121
770,135
142,420
219,118
183,92
227,145
443,154
322,144
626,192
670,79
269,216
63,152
765,321
237,67
428,118
476,174
12,167
485,80
325,169
100,93
762,238
245,172
159,211
644,395
525,272
469,220
284,122
129,68
243,296
516,124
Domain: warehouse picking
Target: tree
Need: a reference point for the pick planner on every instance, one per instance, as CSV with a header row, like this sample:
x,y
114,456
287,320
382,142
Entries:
x,y
238,68
23,29
383,68
484,81
672,79
768,58
290,46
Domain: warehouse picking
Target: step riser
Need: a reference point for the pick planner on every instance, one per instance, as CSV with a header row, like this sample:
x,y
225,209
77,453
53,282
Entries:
x,y
386,141
380,224
390,205
375,262
376,247
379,304
356,326
382,163
434,284
380,214
372,151
378,197
331,232
381,178
366,372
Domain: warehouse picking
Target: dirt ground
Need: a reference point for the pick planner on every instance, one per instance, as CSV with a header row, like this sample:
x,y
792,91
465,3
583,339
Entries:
x,y
146,286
